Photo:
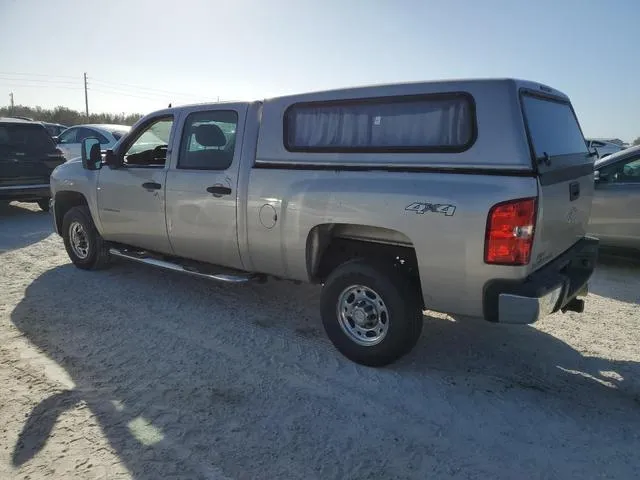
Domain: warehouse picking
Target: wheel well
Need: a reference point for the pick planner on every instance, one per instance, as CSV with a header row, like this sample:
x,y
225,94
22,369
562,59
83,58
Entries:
x,y
65,201
329,246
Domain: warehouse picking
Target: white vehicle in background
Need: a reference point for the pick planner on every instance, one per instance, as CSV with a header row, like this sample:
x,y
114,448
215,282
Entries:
x,y
70,141
602,147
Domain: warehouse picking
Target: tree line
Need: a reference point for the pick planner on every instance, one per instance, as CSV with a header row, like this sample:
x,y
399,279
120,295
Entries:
x,y
68,117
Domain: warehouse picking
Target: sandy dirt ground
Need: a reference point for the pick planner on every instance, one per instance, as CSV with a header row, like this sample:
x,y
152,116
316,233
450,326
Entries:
x,y
137,373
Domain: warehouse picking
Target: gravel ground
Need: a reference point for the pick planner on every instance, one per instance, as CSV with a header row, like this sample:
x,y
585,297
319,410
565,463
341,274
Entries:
x,y
137,373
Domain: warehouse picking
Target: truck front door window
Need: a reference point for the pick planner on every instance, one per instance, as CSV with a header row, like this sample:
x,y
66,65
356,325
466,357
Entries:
x,y
150,146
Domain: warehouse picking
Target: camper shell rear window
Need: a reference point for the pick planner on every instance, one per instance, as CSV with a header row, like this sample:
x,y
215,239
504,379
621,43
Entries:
x,y
417,123
552,126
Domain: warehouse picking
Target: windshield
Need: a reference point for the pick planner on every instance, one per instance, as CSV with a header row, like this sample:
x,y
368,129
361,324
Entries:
x,y
618,155
25,138
553,127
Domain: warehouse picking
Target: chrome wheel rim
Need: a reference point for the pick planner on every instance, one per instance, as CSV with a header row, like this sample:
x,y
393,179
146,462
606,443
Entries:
x,y
79,240
363,315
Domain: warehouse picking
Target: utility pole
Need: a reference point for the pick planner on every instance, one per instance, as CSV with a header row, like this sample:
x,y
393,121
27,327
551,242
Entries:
x,y
11,98
86,97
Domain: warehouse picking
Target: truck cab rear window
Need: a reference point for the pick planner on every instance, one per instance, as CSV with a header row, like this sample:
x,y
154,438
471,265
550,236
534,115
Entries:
x,y
404,124
553,127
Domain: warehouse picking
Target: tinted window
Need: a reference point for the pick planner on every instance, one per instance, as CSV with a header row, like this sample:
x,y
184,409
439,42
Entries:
x,y
88,132
51,129
68,136
424,123
208,140
25,138
553,127
625,171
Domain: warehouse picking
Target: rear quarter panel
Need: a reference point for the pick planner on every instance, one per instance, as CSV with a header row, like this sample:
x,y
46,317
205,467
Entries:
x,y
449,248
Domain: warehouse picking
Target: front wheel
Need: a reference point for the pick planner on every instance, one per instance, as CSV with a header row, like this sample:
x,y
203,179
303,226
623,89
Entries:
x,y
372,314
85,247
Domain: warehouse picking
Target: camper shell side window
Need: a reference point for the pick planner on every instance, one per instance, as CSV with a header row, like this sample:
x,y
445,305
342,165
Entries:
x,y
428,123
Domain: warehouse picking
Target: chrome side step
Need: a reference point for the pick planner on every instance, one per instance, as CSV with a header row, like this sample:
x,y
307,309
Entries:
x,y
220,277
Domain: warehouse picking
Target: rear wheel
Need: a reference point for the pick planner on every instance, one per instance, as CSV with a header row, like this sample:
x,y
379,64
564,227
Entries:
x,y
371,313
44,204
84,245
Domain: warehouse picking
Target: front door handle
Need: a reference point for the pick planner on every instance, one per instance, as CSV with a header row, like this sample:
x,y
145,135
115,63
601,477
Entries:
x,y
151,186
219,190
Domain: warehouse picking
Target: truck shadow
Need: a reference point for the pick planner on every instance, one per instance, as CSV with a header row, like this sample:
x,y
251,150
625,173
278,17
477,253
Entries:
x,y
22,224
183,375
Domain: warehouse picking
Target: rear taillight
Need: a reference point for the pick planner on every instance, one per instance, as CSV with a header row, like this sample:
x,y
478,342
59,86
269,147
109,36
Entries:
x,y
510,229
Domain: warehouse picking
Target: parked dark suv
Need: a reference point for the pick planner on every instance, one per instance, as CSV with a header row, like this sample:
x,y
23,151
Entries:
x,y
28,155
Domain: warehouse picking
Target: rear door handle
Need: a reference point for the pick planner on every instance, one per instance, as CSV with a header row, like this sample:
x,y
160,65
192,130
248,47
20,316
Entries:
x,y
219,190
151,186
574,191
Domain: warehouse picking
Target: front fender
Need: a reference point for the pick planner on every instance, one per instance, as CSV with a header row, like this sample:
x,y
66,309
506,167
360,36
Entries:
x,y
72,177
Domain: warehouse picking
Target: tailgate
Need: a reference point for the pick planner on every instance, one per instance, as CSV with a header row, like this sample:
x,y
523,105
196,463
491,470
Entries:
x,y
565,175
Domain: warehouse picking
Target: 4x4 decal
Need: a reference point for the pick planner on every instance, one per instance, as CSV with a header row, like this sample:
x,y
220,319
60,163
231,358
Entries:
x,y
424,207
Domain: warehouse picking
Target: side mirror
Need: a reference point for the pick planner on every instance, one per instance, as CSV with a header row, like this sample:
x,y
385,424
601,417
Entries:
x,y
56,140
113,160
596,176
91,156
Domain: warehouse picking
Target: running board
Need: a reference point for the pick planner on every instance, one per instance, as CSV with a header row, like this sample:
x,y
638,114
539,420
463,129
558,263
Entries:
x,y
220,277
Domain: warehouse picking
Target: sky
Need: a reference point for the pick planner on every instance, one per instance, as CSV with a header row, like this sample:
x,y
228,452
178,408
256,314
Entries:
x,y
141,55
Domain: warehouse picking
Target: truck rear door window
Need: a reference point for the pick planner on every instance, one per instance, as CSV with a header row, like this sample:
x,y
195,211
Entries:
x,y
425,123
208,140
553,127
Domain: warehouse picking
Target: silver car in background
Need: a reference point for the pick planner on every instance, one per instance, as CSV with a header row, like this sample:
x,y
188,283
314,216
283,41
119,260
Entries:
x,y
615,213
603,148
70,141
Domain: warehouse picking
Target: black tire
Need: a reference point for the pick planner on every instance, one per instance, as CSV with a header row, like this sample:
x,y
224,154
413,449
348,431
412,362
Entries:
x,y
398,294
97,251
44,204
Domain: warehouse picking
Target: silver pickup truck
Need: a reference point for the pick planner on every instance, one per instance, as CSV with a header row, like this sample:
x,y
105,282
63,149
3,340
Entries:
x,y
465,197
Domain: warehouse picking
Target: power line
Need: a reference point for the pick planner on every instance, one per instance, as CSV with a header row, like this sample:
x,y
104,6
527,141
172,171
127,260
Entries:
x,y
144,89
147,96
126,89
38,81
11,84
75,77
126,94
